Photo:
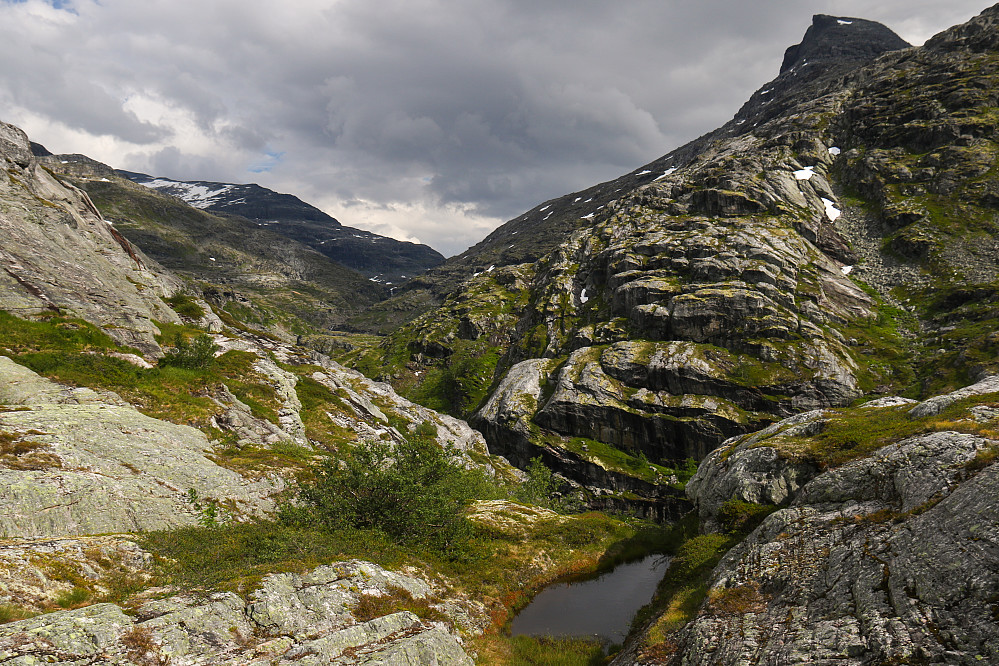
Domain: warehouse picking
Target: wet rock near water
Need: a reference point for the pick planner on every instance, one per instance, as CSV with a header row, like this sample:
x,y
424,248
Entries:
x,y
887,558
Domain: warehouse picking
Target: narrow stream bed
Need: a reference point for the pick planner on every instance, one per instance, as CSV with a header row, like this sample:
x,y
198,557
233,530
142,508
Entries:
x,y
600,607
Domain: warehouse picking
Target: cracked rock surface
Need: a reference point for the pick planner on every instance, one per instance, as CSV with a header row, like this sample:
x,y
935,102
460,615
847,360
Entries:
x,y
98,466
291,619
892,557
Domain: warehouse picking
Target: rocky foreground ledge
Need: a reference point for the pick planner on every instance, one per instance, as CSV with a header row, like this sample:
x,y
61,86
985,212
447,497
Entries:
x,y
307,619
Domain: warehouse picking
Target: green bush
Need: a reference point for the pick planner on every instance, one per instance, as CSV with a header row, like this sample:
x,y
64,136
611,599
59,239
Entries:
x,y
194,354
415,493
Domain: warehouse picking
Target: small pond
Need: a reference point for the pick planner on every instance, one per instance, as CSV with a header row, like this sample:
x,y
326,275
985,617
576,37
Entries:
x,y
600,607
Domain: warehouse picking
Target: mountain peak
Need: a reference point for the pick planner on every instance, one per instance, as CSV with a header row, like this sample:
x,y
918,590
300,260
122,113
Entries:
x,y
840,38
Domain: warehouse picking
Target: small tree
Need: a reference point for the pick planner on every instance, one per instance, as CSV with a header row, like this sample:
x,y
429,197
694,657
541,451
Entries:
x,y
198,353
541,486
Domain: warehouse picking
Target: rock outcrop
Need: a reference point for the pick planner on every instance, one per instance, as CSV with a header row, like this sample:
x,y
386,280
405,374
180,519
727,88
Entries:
x,y
796,257
888,557
78,462
311,618
56,241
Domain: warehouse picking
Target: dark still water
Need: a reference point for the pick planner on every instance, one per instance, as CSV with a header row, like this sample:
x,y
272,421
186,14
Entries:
x,y
600,607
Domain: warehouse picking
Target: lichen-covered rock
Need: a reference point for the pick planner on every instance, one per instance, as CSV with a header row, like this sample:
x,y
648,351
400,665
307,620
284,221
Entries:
x,y
291,619
937,404
35,573
887,558
361,395
890,557
323,598
22,386
100,467
742,469
65,637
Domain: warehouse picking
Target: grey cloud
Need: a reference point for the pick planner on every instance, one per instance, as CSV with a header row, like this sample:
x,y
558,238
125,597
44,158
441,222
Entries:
x,y
490,106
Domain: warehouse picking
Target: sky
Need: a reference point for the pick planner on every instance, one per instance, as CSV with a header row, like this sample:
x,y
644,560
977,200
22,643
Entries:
x,y
426,120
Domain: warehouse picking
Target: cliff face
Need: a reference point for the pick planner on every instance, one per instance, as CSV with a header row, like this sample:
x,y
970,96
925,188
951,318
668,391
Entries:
x,y
60,255
836,238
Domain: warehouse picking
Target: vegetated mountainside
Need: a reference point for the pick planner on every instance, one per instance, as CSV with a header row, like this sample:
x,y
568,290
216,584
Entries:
x,y
837,238
173,482
246,270
384,260
827,50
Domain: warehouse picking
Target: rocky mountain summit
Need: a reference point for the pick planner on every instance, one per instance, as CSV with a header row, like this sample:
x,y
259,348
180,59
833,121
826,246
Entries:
x,y
835,238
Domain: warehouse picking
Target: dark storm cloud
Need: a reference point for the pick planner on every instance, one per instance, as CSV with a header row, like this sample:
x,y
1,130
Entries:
x,y
434,119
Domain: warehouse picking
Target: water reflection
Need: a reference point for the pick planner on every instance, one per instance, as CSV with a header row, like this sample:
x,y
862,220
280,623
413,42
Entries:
x,y
600,607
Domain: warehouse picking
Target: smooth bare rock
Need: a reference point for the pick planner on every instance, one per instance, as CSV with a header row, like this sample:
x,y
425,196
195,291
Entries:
x,y
518,396
56,242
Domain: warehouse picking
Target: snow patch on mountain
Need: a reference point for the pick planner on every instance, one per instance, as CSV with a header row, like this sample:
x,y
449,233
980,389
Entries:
x,y
193,194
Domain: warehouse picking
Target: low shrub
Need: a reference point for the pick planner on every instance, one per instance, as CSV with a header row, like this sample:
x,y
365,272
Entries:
x,y
739,516
184,305
415,493
541,487
196,353
74,598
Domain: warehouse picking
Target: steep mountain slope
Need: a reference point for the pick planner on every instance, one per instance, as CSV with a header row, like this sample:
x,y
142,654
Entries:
x,y
249,270
56,244
832,46
836,238
380,258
